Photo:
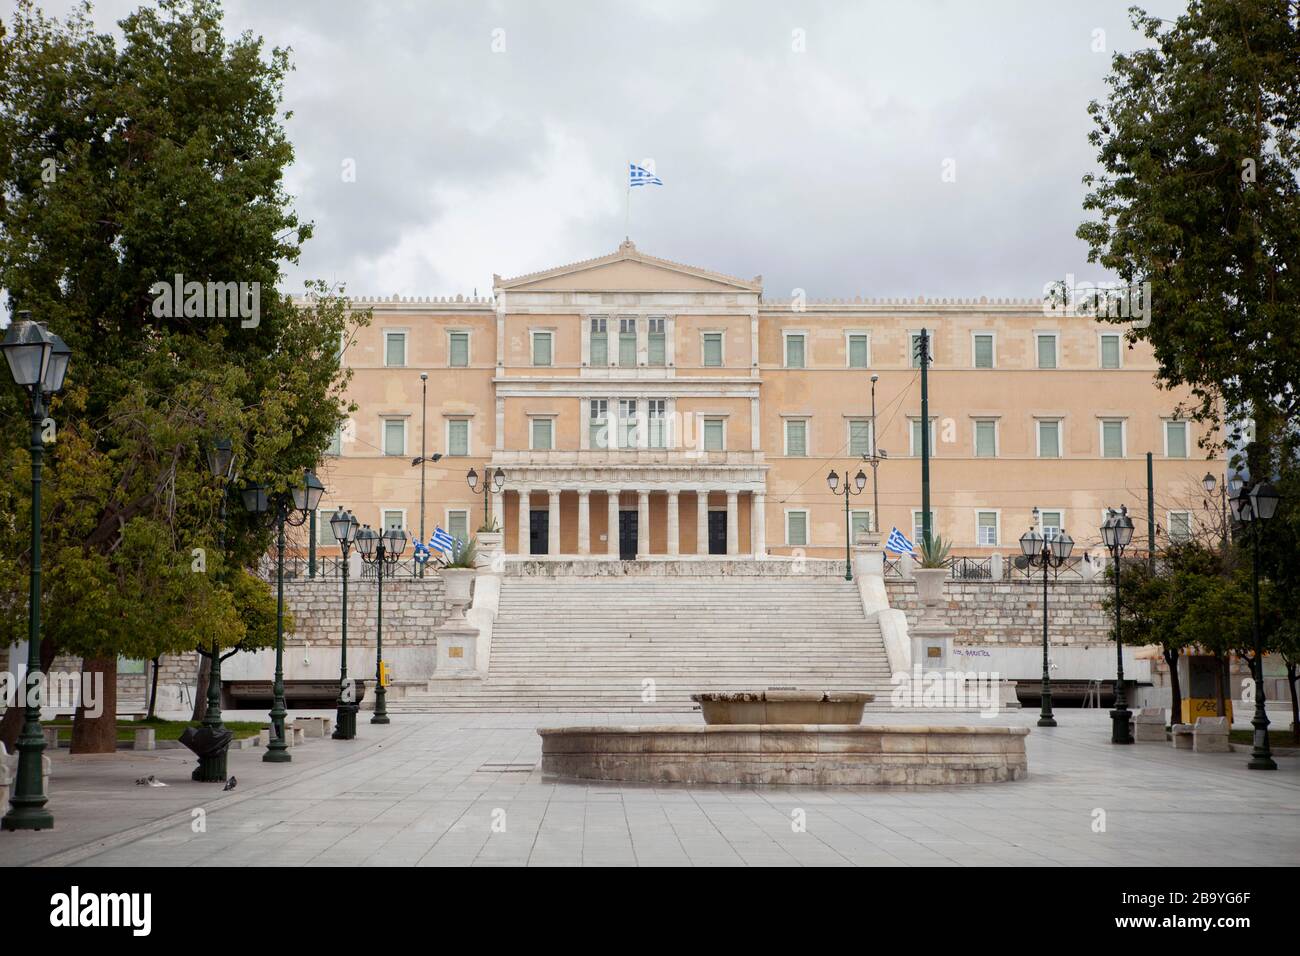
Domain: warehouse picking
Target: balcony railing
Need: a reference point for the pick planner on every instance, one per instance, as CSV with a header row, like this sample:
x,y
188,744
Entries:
x,y
625,457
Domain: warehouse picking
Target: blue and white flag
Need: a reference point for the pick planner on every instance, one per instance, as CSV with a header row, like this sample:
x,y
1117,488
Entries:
x,y
422,552
441,541
897,542
640,176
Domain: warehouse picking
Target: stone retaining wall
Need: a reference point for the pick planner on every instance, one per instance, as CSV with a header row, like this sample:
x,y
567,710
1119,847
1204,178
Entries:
x,y
1011,613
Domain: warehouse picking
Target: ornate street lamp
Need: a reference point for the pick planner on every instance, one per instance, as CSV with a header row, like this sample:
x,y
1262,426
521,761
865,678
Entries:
x,y
497,482
344,526
849,490
381,552
38,361
212,769
1117,533
291,508
1048,553
1252,507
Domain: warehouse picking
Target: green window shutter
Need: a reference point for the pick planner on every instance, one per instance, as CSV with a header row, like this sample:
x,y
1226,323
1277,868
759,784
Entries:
x,y
1049,439
1112,439
394,437
861,522
983,351
458,525
857,351
1047,351
541,434
798,527
392,519
459,349
655,349
1176,436
713,434
627,349
988,528
1110,351
394,349
713,349
599,349
796,439
859,438
457,437
794,348
542,349
985,440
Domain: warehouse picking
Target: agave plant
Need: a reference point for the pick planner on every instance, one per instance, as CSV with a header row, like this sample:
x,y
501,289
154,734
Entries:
x,y
489,526
934,551
462,555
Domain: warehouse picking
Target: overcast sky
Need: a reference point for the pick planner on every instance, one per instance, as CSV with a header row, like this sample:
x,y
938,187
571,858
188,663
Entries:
x,y
494,137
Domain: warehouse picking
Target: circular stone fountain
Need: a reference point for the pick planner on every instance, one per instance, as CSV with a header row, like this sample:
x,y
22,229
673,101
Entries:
x,y
777,744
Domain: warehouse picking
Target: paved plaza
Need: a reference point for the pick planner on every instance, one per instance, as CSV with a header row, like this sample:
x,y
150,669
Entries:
x,y
433,790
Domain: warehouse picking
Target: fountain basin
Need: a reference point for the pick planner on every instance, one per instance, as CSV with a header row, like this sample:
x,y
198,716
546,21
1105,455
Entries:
x,y
787,754
782,707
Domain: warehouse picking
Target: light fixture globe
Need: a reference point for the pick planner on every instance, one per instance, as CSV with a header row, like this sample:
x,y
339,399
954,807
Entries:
x,y
1123,528
1239,503
833,480
57,366
366,539
1264,501
343,525
472,479
395,541
1208,483
1031,543
221,459
255,498
27,348
307,496
498,480
1062,544
860,480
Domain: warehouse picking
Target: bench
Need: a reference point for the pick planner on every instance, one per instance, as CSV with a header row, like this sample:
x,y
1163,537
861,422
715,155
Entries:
x,y
1149,725
251,694
1209,735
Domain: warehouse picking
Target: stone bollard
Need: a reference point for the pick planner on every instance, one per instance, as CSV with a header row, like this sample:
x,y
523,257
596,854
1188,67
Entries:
x,y
1149,725
1182,734
145,739
51,737
1210,736
264,737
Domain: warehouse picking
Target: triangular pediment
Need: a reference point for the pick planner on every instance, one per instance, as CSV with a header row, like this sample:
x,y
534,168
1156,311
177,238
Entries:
x,y
628,270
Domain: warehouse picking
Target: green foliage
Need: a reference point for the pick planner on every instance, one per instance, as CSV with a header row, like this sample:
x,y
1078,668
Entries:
x,y
1199,143
124,162
934,551
462,555
489,526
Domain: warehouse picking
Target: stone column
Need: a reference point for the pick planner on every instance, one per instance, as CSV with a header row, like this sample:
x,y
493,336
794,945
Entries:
x,y
553,522
611,534
758,523
702,522
674,533
523,522
584,521
642,523
499,509
733,522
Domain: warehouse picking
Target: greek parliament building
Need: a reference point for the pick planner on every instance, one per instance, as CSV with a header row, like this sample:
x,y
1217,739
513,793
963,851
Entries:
x,y
642,408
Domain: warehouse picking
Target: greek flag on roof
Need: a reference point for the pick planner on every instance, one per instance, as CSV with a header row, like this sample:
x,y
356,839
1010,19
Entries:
x,y
897,542
441,540
640,176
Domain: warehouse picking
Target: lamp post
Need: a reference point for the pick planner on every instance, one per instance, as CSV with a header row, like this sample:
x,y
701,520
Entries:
x,y
38,361
382,552
1046,552
497,483
221,464
874,459
292,509
1252,507
344,525
1117,532
856,488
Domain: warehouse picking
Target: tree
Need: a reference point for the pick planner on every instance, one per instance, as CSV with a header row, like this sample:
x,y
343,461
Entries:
x,y
1199,143
121,169
1144,615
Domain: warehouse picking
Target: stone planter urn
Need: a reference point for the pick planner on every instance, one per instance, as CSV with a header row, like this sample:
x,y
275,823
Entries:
x,y
783,707
491,545
458,583
929,589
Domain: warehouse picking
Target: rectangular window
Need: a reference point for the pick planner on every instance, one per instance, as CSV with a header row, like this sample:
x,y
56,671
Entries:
x,y
394,436
599,344
796,528
859,350
860,521
794,350
599,423
987,526
983,347
458,524
627,343
1180,527
1049,523
1175,439
458,349
336,443
714,434
914,348
986,438
1110,350
796,438
394,519
541,348
656,343
324,531
658,423
395,349
859,437
918,529
916,437
1112,438
713,349
1049,439
627,432
458,437
542,430
1046,349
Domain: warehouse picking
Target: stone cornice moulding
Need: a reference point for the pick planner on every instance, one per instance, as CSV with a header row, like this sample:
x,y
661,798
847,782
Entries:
x,y
627,252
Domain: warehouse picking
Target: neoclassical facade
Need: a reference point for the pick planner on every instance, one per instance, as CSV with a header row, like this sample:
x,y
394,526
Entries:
x,y
639,408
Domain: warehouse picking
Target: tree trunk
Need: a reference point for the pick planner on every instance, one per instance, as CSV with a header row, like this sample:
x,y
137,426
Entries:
x,y
11,725
153,689
1175,689
1220,705
1291,676
97,734
201,690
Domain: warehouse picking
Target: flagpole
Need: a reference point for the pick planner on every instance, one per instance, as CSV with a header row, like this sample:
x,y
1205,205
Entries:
x,y
627,217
